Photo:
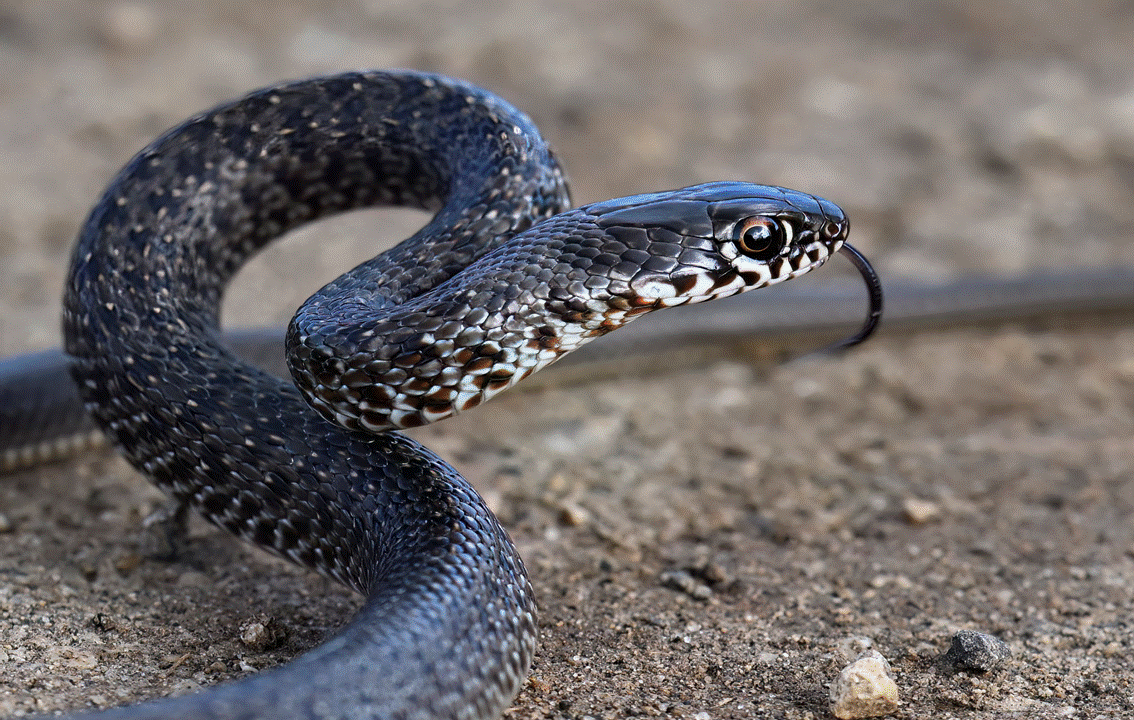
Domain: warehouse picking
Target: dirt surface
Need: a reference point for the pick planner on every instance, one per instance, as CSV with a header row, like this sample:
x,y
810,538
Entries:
x,y
705,542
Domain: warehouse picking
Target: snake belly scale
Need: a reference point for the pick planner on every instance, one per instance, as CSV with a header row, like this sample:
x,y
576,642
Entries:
x,y
505,279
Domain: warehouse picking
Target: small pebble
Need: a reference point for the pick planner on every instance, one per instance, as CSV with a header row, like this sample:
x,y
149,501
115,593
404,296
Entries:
x,y
194,578
262,633
682,581
126,564
573,515
978,651
864,689
71,657
919,512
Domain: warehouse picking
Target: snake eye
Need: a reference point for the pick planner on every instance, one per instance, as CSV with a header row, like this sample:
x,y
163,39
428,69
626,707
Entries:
x,y
761,238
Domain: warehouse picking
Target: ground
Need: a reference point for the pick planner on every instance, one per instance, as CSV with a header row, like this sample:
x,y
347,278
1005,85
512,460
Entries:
x,y
706,541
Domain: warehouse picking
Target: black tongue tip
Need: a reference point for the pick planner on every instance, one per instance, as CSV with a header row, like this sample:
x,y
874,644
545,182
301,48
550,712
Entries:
x,y
874,286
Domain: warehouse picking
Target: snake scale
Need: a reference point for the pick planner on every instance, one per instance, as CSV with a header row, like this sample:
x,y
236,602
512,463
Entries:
x,y
504,280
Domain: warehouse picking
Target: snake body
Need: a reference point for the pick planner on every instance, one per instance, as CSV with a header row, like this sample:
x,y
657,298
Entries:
x,y
504,280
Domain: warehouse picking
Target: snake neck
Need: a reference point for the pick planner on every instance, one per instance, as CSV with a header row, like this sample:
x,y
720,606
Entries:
x,y
551,288
512,312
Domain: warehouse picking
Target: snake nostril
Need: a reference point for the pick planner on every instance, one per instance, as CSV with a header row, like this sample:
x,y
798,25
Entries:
x,y
832,229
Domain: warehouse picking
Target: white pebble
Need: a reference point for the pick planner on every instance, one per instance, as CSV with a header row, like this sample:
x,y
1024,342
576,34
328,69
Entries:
x,y
864,688
919,512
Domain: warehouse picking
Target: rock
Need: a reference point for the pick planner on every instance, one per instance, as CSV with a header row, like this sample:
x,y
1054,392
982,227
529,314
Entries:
x,y
682,581
573,515
864,688
919,512
263,633
972,650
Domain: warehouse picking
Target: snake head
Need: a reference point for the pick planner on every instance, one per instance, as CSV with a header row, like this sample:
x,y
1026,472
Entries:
x,y
715,240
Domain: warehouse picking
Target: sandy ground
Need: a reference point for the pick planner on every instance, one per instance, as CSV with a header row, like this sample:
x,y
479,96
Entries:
x,y
706,542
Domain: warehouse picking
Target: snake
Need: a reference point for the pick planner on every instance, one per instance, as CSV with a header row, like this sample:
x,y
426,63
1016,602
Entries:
x,y
506,278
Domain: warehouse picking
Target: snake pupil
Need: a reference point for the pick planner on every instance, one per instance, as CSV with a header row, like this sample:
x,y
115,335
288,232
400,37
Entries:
x,y
760,238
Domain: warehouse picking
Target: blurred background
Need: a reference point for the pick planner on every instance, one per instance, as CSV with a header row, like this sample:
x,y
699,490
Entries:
x,y
712,542
961,137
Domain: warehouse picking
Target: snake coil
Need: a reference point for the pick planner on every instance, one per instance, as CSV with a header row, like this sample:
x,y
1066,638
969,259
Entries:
x,y
504,280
